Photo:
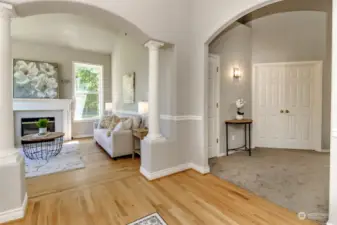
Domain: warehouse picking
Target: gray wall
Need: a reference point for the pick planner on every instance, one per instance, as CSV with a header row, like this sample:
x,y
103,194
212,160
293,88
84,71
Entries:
x,y
64,57
130,56
280,37
235,50
296,36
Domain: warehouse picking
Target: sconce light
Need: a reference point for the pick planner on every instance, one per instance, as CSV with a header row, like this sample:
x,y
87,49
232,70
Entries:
x,y
236,73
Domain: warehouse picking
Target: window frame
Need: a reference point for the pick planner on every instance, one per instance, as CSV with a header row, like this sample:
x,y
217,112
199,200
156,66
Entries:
x,y
100,91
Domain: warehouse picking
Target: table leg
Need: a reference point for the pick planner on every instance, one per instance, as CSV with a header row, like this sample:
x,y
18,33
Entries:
x,y
245,137
133,148
250,149
226,139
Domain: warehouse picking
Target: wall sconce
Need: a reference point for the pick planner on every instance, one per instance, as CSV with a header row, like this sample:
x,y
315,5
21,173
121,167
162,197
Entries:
x,y
236,73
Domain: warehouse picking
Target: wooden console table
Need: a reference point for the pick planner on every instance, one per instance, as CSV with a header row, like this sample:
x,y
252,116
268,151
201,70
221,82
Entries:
x,y
138,134
240,122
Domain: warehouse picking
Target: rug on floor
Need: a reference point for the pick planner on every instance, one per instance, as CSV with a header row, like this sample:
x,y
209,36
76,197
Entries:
x,y
68,159
295,179
153,219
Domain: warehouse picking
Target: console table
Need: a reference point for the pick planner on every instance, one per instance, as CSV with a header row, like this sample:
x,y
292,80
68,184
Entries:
x,y
138,134
244,122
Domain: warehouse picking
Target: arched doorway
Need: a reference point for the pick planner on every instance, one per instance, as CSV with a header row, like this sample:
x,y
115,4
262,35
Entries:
x,y
13,162
298,7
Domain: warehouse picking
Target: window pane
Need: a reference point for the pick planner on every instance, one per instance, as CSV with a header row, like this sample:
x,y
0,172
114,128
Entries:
x,y
87,79
87,106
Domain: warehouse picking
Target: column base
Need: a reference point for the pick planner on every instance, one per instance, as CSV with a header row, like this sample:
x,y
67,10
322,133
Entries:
x,y
9,156
13,193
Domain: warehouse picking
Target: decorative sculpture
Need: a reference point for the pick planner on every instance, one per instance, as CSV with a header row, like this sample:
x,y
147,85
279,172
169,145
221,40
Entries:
x,y
239,105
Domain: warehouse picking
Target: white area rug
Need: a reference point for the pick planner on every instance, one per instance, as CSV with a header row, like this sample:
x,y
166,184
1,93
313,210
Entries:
x,y
68,159
153,219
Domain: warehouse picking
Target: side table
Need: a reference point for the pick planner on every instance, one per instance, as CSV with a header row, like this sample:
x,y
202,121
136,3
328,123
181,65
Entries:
x,y
138,134
240,122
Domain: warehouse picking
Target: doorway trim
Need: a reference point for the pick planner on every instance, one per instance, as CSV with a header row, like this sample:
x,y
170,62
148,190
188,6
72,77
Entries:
x,y
317,108
217,101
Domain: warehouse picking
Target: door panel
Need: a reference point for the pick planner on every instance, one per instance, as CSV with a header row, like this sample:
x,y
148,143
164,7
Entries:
x,y
285,98
212,113
269,86
299,101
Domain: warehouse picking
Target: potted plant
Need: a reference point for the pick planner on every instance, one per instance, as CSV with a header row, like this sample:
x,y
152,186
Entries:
x,y
42,125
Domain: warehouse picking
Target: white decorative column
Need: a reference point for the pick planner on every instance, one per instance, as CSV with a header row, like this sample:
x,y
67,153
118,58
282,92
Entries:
x,y
7,151
154,130
12,170
333,142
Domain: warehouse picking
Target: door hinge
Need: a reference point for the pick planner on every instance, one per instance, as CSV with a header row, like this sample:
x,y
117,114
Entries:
x,y
217,140
217,69
217,105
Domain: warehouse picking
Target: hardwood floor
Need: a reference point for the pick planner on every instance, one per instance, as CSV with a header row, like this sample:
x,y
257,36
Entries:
x,y
109,192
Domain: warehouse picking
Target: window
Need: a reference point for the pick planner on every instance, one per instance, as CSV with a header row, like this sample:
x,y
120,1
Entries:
x,y
88,91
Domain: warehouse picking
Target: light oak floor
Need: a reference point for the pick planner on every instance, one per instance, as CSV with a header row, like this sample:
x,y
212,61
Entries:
x,y
111,192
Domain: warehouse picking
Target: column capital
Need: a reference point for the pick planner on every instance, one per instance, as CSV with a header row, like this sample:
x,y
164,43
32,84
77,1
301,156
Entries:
x,y
7,11
152,44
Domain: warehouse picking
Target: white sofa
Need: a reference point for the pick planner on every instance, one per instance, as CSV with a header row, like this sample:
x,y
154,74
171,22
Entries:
x,y
117,144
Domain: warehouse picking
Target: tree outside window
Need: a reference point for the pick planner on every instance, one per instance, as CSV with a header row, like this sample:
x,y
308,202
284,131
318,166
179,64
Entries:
x,y
87,91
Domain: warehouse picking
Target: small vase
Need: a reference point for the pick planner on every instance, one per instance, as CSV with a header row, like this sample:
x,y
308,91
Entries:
x,y
43,130
239,117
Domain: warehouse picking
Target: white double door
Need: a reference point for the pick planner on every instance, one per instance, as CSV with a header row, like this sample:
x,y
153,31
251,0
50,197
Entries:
x,y
287,105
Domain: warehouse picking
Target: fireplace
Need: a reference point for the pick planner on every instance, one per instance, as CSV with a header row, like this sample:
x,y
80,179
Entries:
x,y
28,125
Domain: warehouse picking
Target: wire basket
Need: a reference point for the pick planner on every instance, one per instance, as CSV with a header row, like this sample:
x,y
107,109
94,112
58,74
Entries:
x,y
43,149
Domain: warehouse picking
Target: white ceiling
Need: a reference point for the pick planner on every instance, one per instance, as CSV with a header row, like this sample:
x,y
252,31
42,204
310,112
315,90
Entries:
x,y
65,30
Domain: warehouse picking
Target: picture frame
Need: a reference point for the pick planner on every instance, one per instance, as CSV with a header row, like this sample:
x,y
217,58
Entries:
x,y
129,85
35,79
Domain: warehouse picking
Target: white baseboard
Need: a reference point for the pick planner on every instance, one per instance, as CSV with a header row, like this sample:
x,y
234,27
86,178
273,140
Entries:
x,y
164,172
200,169
323,150
173,170
83,136
14,214
328,223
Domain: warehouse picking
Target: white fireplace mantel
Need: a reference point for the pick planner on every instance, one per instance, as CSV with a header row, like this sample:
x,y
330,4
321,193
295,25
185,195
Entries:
x,y
63,105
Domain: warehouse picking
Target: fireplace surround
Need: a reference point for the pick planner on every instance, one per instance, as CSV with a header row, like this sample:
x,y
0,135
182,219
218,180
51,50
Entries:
x,y
60,109
28,125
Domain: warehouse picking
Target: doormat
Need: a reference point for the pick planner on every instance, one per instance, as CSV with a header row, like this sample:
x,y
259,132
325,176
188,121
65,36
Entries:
x,y
153,219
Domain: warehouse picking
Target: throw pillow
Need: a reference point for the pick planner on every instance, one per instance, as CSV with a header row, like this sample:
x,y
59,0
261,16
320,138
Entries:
x,y
136,120
113,125
127,124
105,122
118,127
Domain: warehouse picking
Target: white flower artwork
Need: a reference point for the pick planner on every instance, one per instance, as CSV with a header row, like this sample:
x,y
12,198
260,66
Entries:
x,y
33,79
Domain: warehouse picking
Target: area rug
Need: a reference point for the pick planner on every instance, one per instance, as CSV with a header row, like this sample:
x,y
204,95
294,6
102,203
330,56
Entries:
x,y
153,219
68,159
295,179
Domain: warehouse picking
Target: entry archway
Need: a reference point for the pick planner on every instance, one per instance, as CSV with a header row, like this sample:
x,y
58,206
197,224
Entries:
x,y
13,193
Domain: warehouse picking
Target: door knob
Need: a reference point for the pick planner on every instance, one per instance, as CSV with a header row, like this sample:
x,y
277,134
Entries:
x,y
287,111
281,111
